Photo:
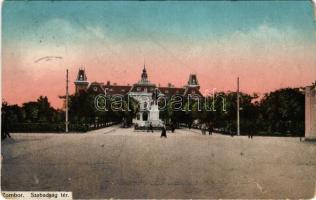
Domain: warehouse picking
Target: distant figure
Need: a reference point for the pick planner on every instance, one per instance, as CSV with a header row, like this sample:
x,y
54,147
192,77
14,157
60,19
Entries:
x,y
163,132
251,131
151,128
4,126
172,128
231,134
210,128
190,125
203,129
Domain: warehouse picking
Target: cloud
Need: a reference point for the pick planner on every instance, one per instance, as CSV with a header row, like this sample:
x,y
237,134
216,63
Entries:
x,y
264,40
61,31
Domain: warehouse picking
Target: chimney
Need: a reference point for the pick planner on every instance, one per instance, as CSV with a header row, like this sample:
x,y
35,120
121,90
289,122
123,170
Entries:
x,y
108,83
170,85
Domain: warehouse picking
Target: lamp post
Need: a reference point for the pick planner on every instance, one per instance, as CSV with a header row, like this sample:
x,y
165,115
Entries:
x,y
67,94
238,109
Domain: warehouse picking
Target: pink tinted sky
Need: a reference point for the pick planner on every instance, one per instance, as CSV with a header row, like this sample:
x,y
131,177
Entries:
x,y
260,72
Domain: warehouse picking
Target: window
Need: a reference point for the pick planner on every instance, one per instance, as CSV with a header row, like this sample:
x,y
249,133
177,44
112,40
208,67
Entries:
x,y
145,105
145,89
166,91
145,116
95,89
138,89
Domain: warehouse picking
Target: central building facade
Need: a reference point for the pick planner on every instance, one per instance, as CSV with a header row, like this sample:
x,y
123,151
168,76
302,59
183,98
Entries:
x,y
142,91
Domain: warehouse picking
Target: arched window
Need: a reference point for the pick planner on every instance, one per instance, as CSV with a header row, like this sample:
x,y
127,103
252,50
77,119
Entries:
x,y
145,105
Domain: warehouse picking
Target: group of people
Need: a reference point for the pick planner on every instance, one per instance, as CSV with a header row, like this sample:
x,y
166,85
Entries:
x,y
207,127
204,128
163,130
250,135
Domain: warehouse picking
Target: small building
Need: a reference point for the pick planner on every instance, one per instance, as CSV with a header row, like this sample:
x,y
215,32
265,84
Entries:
x,y
310,112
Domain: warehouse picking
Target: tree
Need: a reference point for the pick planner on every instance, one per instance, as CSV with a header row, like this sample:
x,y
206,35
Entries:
x,y
283,111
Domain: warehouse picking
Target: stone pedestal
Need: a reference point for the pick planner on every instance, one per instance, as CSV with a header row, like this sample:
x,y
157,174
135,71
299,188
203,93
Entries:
x,y
154,116
310,112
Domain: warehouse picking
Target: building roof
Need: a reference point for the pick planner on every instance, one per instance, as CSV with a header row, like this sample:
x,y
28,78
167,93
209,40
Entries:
x,y
117,89
144,85
170,91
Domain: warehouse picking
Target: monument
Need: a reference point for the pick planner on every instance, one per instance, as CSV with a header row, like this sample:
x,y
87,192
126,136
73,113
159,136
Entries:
x,y
310,112
154,110
146,94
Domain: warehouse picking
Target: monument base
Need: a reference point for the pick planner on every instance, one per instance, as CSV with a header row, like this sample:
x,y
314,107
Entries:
x,y
154,117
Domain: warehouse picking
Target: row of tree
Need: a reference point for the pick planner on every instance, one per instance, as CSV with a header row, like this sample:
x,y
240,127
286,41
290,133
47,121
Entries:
x,y
39,111
40,116
279,113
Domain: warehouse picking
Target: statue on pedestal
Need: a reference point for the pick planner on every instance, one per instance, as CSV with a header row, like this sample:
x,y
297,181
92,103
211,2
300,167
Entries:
x,y
154,110
155,96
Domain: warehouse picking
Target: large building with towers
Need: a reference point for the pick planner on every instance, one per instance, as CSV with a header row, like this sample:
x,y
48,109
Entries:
x,y
142,91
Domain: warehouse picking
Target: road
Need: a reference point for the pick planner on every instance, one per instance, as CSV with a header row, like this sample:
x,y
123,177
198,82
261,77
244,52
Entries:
x,y
121,163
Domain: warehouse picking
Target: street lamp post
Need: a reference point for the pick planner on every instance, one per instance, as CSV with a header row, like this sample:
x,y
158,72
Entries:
x,y
67,94
238,109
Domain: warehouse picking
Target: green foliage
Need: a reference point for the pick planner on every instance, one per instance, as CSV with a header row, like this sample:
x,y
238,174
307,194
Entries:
x,y
32,112
283,111
278,112
82,109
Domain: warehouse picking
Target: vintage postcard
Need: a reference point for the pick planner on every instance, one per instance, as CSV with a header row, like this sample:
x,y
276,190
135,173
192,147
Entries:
x,y
158,100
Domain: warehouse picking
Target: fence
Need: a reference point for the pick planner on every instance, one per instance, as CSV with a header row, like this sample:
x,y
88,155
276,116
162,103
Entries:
x,y
55,127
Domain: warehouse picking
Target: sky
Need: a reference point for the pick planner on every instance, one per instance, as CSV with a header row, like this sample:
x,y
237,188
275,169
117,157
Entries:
x,y
268,44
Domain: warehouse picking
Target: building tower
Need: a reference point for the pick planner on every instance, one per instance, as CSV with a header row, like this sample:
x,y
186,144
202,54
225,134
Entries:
x,y
144,77
81,83
193,82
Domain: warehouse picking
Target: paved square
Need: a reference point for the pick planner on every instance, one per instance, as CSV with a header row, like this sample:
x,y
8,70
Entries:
x,y
121,163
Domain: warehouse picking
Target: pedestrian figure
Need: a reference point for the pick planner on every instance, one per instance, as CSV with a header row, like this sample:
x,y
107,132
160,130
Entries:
x,y
4,126
135,126
210,128
251,131
231,132
190,125
172,128
151,128
203,129
163,132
